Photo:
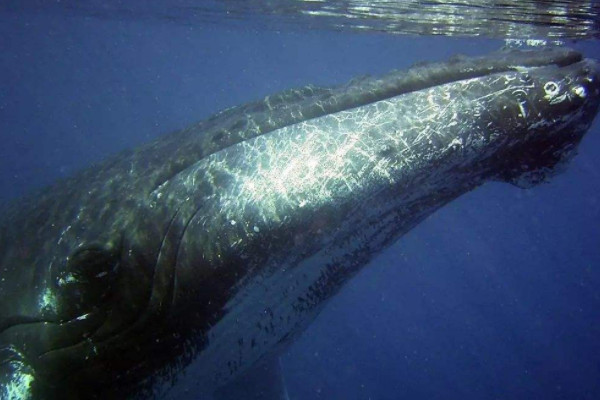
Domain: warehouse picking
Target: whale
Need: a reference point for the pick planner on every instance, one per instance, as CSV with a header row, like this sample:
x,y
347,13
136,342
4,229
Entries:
x,y
182,268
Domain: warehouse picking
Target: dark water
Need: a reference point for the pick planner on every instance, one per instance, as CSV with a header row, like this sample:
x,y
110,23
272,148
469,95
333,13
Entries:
x,y
493,297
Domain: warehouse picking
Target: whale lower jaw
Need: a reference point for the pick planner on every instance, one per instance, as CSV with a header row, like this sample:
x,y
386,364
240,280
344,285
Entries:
x,y
276,305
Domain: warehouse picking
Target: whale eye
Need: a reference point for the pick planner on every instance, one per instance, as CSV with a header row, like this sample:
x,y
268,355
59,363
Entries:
x,y
551,88
86,281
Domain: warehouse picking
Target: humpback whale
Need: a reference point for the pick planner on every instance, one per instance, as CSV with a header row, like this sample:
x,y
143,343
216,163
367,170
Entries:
x,y
186,265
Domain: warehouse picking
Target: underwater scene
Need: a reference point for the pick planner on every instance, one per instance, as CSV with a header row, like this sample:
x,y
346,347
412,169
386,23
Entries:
x,y
362,200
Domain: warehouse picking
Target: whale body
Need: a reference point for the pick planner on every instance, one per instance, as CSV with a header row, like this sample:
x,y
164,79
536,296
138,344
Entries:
x,y
187,264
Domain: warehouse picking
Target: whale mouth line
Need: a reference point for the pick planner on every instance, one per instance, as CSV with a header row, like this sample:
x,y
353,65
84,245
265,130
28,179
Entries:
x,y
15,321
23,321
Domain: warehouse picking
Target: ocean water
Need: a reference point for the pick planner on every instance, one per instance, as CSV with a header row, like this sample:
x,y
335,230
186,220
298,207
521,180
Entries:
x,y
493,297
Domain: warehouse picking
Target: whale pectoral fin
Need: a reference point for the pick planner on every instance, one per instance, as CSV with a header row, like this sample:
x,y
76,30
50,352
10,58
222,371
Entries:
x,y
16,377
263,382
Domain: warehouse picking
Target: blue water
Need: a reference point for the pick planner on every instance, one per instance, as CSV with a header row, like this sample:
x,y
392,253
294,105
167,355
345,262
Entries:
x,y
493,297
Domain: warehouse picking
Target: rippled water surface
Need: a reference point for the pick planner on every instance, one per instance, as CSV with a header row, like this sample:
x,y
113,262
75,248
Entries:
x,y
492,18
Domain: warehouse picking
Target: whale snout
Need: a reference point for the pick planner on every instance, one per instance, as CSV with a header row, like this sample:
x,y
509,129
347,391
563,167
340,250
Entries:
x,y
587,83
561,108
581,82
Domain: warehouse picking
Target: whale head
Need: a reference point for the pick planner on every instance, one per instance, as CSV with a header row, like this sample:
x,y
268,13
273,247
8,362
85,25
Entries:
x,y
554,110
